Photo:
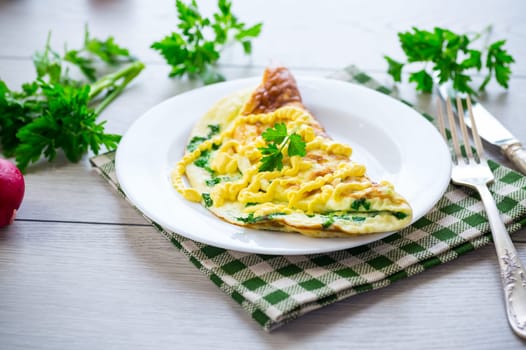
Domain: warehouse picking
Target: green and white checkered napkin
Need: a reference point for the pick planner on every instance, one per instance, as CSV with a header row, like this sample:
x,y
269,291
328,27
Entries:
x,y
277,289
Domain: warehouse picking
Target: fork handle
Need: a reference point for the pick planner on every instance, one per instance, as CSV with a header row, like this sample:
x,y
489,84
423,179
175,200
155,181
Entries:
x,y
512,270
517,155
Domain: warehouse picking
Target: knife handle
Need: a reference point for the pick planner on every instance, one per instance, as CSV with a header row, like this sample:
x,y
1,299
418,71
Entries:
x,y
517,154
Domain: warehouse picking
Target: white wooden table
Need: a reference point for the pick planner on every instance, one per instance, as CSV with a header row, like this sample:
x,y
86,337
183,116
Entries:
x,y
80,269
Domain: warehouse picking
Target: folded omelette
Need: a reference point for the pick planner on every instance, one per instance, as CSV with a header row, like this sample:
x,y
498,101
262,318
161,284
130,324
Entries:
x,y
240,168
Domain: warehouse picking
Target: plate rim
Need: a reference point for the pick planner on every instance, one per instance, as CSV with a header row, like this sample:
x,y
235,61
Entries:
x,y
301,79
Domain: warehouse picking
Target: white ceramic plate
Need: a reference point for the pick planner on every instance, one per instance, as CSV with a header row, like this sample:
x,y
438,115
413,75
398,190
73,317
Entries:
x,y
391,139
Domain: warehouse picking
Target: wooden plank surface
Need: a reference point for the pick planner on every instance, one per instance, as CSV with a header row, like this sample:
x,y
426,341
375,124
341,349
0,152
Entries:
x,y
80,269
91,286
321,33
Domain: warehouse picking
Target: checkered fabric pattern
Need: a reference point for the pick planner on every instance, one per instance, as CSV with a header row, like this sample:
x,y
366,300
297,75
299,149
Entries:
x,y
277,289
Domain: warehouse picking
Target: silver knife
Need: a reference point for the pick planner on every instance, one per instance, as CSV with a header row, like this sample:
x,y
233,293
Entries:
x,y
492,130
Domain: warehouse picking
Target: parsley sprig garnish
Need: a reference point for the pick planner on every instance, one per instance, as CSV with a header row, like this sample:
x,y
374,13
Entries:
x,y
196,46
452,57
58,112
277,138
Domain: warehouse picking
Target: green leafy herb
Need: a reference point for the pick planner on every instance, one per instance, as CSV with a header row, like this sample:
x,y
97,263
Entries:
x,y
498,62
272,158
66,123
207,199
277,138
423,81
107,50
57,112
395,68
275,135
296,145
451,57
196,46
85,58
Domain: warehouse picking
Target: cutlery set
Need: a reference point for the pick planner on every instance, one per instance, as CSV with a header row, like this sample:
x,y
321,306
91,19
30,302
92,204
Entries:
x,y
470,169
492,130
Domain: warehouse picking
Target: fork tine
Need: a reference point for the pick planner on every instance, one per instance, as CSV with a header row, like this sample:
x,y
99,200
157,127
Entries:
x,y
476,136
463,128
441,126
453,129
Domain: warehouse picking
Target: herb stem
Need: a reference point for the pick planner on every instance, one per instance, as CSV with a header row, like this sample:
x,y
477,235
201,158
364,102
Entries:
x,y
127,74
284,143
486,33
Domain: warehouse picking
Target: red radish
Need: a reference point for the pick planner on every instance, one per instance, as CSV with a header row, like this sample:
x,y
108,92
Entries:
x,y
12,188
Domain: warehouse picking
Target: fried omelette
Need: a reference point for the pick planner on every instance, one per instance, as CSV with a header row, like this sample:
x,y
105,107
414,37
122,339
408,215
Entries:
x,y
323,193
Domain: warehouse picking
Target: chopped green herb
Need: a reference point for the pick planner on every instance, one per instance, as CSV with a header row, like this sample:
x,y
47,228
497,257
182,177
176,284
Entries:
x,y
251,219
251,204
195,142
399,215
213,181
203,160
358,218
342,217
328,223
207,199
214,130
362,202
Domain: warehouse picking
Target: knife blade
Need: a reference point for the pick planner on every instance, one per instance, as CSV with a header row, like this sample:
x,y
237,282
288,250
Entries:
x,y
492,130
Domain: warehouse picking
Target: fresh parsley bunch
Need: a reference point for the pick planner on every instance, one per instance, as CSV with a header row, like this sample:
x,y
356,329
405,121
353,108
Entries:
x,y
451,57
277,138
57,111
196,47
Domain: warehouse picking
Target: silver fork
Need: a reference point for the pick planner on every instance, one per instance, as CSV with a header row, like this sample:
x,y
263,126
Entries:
x,y
472,170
